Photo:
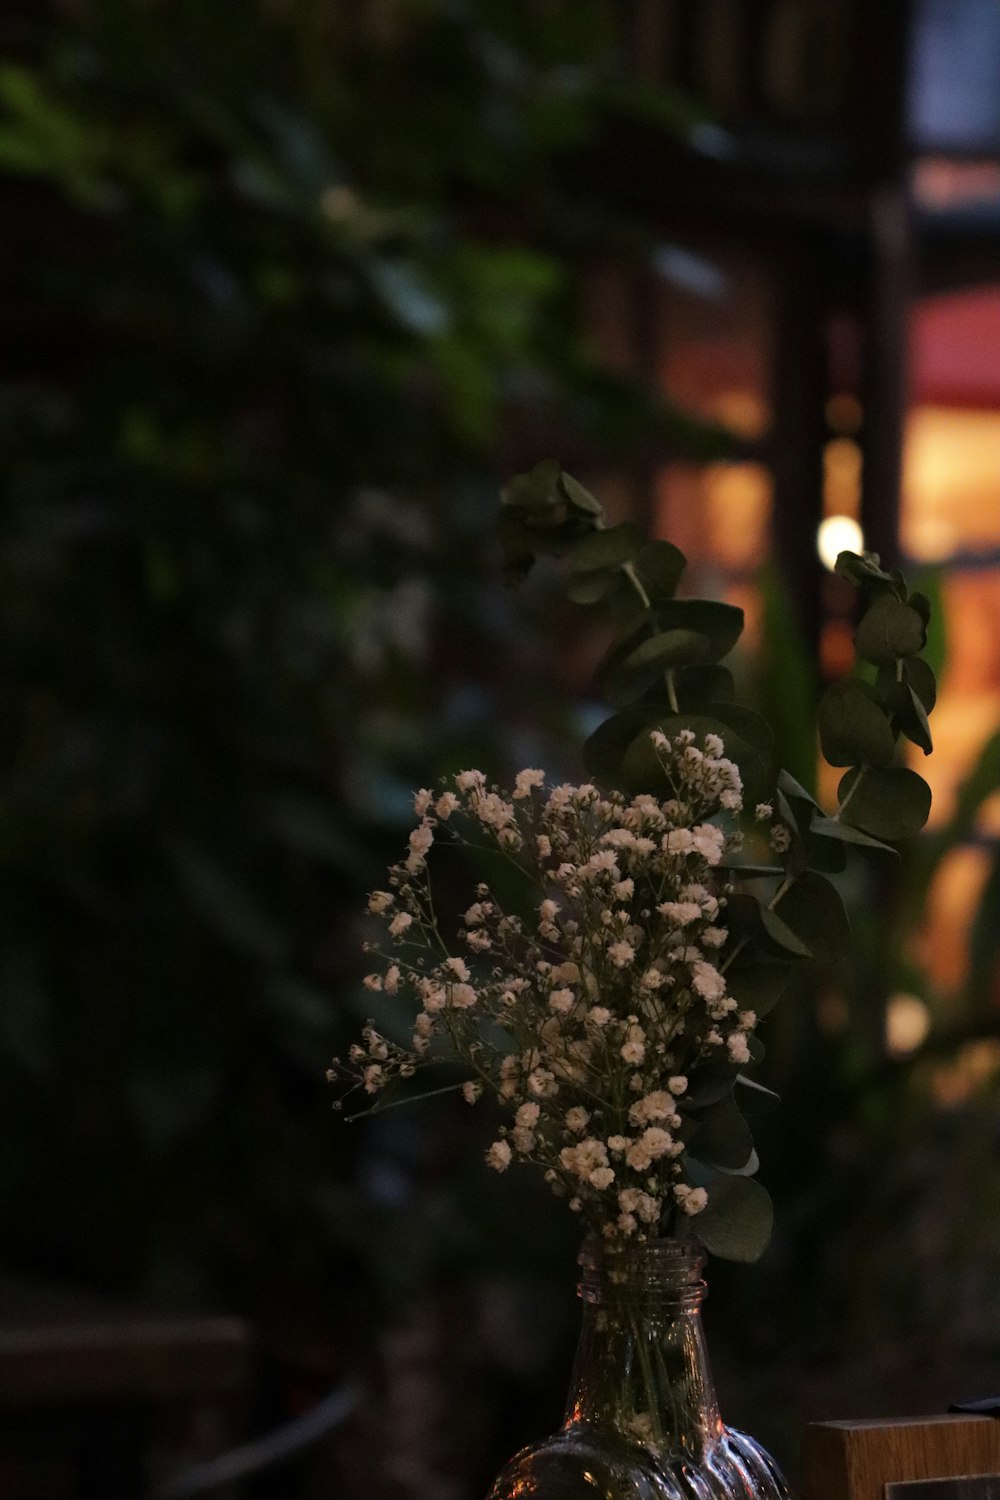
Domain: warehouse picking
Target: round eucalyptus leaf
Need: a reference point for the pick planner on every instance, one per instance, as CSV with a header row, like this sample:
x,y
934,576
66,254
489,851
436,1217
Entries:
x,y
779,931
888,804
605,548
591,587
889,630
536,492
640,766
579,498
736,1222
669,648
723,1137
922,605
853,726
862,570
796,794
659,567
834,828
814,910
751,727
759,986
698,686
706,1087
753,1097
604,750
754,920
722,624
921,678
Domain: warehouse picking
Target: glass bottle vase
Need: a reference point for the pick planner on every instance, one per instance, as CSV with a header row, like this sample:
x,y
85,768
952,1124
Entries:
x,y
642,1421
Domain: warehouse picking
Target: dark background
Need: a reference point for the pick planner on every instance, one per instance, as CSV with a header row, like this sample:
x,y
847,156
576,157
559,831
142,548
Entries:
x,y
287,290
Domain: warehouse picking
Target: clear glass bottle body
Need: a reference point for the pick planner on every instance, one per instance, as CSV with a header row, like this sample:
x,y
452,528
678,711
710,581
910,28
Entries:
x,y
642,1421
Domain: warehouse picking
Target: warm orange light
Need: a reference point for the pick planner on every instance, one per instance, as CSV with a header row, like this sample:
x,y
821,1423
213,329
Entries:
x,y
907,1024
737,507
951,482
838,534
842,463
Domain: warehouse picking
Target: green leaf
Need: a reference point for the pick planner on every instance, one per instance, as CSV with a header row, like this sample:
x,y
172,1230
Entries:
x,y
906,707
721,623
853,726
832,828
605,548
922,681
754,1098
737,1220
698,686
759,986
723,1137
669,648
537,492
605,749
825,854
796,793
890,804
889,630
864,570
705,1087
814,910
640,768
781,933
579,498
660,566
922,605
752,919
751,727
589,588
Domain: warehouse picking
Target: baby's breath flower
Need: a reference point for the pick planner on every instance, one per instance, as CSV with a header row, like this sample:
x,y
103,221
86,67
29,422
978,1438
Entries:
x,y
524,781
621,954
609,998
736,1045
446,804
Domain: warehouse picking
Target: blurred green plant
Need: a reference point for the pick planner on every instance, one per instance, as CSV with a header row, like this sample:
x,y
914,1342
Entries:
x,y
285,286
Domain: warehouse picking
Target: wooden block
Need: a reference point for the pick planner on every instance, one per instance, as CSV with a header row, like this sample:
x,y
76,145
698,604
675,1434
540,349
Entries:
x,y
856,1460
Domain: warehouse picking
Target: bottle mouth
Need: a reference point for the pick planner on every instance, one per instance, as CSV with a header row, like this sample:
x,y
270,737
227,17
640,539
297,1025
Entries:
x,y
665,1270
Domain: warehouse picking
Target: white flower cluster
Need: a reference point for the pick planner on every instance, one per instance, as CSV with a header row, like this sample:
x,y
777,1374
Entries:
x,y
605,1001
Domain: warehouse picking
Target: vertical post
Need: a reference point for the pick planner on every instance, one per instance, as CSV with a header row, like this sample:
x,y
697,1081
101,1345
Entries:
x,y
884,373
798,431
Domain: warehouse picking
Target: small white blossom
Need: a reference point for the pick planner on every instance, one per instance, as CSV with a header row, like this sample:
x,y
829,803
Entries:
x,y
400,922
498,1156
380,901
736,1045
621,954
525,780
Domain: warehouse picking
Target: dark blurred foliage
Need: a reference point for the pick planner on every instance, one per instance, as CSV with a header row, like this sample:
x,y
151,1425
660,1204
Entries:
x,y
288,288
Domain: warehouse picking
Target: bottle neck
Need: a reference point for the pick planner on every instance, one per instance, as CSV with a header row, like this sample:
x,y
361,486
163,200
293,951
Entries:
x,y
642,1365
